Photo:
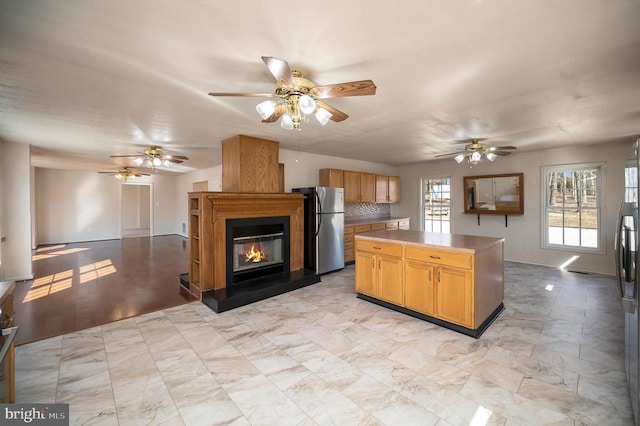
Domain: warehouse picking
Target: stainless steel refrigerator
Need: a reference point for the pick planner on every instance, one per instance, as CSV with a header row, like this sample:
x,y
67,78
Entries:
x,y
323,228
627,272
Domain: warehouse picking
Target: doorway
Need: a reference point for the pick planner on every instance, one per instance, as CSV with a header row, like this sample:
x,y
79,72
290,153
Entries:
x,y
136,211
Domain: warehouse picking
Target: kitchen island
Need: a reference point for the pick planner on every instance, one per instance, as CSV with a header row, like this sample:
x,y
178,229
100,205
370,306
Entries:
x,y
455,281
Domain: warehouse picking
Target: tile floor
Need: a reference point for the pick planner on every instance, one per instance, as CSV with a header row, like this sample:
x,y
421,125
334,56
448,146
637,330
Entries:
x,y
319,355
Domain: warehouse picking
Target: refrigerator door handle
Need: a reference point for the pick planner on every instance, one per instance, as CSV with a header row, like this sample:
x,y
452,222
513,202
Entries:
x,y
618,254
624,253
319,213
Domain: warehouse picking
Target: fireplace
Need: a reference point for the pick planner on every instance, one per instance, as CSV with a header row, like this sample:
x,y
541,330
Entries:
x,y
257,247
259,219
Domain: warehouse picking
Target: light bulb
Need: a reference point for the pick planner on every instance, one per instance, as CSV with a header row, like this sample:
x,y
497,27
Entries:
x,y
286,122
157,161
118,176
491,156
307,104
166,163
265,109
323,116
476,156
138,161
459,158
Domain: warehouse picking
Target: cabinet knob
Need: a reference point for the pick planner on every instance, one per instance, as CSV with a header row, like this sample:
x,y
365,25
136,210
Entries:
x,y
377,248
429,276
434,257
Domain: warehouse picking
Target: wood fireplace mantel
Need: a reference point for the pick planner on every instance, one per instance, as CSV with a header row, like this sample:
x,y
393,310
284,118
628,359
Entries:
x,y
208,212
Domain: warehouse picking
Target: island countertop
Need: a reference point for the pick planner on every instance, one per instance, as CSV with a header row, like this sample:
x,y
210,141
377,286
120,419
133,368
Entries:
x,y
463,243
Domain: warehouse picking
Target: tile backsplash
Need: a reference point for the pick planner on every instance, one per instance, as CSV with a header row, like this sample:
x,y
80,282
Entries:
x,y
354,210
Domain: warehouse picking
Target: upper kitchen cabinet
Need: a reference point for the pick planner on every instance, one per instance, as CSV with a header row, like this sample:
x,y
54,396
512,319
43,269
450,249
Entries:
x,y
351,186
332,177
367,188
361,187
387,189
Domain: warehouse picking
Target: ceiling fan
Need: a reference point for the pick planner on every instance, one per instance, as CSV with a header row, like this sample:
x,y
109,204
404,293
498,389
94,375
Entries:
x,y
125,173
475,150
154,157
296,96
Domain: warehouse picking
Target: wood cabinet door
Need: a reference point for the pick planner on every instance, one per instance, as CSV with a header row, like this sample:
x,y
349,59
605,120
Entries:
x,y
367,188
351,186
418,286
390,280
394,189
382,189
331,177
366,273
453,296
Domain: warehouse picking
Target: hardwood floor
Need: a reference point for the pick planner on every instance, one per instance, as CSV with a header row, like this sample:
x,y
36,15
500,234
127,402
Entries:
x,y
82,285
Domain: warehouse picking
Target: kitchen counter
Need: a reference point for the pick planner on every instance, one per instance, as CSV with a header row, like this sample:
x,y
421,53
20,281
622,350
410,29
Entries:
x,y
365,225
368,220
455,281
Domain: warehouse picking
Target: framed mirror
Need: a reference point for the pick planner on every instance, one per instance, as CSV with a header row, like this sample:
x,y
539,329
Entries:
x,y
494,194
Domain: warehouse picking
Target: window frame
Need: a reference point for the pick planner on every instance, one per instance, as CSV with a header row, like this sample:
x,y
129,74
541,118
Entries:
x,y
422,201
601,168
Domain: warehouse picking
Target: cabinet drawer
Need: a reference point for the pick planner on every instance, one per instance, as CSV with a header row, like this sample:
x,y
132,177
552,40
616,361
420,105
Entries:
x,y
404,224
439,257
348,238
348,247
358,229
348,230
389,249
391,225
378,226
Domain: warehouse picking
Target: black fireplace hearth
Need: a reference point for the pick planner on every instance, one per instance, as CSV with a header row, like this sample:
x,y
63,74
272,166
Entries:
x,y
257,289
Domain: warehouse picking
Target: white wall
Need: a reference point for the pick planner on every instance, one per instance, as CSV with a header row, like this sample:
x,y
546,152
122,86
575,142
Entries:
x,y
301,169
75,206
16,211
164,209
523,236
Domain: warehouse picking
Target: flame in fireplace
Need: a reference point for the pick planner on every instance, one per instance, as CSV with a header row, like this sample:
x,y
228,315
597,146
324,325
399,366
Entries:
x,y
254,255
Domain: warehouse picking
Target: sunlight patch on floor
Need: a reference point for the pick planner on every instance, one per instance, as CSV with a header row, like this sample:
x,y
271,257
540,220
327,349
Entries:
x,y
57,253
54,283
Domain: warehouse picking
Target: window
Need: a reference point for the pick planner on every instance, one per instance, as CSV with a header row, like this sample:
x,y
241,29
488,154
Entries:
x,y
436,200
572,216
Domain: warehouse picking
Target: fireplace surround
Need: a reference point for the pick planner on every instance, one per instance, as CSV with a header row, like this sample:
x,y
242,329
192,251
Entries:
x,y
208,277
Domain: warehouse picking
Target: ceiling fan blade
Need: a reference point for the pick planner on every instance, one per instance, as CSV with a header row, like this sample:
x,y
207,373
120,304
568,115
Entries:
x,y
175,157
280,109
281,71
503,153
353,88
110,173
336,114
493,148
450,153
140,174
124,156
253,95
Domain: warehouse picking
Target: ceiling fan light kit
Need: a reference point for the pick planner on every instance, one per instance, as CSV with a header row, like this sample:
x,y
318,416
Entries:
x,y
153,157
298,97
125,174
475,151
